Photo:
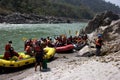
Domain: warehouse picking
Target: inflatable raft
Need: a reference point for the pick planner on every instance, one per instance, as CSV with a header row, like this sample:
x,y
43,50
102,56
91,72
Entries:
x,y
79,46
50,52
15,62
65,48
25,59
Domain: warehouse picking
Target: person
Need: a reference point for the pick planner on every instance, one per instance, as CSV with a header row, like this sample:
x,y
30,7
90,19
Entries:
x,y
29,50
99,43
38,50
9,51
48,41
85,37
44,43
28,42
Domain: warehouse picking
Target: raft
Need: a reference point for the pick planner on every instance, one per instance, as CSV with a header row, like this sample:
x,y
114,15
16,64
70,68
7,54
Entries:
x,y
50,52
65,48
26,59
79,46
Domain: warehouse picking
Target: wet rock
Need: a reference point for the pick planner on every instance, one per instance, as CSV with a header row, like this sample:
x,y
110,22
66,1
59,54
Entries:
x,y
1,19
86,52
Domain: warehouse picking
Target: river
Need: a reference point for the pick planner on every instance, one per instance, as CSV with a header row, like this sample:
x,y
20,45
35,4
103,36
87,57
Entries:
x,y
19,32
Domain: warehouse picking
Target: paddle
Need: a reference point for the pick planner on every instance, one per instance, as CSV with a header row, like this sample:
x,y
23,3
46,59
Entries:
x,y
77,33
24,38
69,32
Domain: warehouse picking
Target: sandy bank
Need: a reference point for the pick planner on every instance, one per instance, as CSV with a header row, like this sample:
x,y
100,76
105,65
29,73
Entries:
x,y
90,70
74,68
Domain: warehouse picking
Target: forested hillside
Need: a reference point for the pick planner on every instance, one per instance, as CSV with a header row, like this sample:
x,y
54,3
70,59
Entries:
x,y
94,5
78,9
43,7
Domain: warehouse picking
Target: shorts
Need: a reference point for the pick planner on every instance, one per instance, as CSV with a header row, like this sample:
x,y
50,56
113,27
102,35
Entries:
x,y
39,58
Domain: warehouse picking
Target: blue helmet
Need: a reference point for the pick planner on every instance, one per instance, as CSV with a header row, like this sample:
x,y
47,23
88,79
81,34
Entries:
x,y
99,35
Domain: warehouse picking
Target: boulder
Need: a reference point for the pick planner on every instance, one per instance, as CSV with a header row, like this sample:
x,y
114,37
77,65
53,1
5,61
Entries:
x,y
86,51
102,19
112,32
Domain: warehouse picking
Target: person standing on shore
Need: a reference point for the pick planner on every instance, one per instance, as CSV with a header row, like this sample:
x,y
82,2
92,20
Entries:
x,y
38,50
98,43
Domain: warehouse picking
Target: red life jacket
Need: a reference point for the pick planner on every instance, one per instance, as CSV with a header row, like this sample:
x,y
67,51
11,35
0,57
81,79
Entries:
x,y
28,49
7,55
7,47
97,42
37,48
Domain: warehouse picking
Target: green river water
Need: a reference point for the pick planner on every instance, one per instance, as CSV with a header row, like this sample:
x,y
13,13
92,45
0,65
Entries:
x,y
18,32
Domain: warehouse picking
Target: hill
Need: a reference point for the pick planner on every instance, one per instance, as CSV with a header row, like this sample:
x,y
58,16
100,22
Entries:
x,y
77,9
44,7
95,5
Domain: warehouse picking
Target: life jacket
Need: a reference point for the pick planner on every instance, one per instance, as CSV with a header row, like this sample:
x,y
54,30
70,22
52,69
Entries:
x,y
98,43
28,49
7,47
33,42
27,43
37,49
78,40
64,40
7,55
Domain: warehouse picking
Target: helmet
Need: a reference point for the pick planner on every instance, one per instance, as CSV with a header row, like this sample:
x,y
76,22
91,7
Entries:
x,y
10,41
99,35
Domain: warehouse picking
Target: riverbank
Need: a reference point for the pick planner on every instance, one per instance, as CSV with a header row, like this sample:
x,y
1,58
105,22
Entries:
x,y
70,67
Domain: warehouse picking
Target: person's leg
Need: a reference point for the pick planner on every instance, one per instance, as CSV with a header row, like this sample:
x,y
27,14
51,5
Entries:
x,y
37,62
35,66
97,51
40,66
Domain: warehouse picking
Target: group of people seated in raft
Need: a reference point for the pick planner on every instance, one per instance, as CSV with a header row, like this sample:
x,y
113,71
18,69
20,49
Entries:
x,y
38,52
58,41
32,45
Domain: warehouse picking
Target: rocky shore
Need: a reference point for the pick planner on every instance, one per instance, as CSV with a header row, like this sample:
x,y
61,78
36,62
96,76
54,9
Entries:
x,y
74,66
19,18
